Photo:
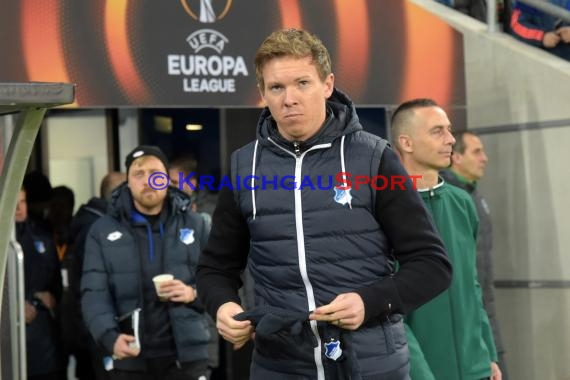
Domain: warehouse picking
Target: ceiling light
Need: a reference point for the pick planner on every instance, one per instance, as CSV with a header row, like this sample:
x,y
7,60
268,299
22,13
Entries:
x,y
194,127
163,124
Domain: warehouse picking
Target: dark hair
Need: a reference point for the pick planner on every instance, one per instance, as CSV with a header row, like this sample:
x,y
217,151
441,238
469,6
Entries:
x,y
411,105
61,212
402,116
459,145
186,164
63,195
38,187
110,182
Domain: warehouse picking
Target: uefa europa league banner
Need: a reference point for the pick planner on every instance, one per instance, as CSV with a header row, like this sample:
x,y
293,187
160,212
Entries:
x,y
200,52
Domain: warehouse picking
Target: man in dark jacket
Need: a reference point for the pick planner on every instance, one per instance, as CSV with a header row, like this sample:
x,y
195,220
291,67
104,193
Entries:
x,y
146,233
468,164
77,341
42,281
328,298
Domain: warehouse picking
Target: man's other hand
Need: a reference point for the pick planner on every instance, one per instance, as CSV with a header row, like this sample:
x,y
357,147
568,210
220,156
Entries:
x,y
345,311
177,291
31,312
564,33
550,39
496,373
122,349
236,332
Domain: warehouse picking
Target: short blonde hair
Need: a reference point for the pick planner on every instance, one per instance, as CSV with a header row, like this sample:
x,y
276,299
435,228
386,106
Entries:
x,y
294,43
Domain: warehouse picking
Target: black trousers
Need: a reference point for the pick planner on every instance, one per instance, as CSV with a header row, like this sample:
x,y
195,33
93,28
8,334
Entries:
x,y
49,376
163,368
260,373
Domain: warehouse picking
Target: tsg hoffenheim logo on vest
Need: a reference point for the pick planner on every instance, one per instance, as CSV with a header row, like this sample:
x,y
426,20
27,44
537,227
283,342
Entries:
x,y
333,350
342,197
208,69
186,235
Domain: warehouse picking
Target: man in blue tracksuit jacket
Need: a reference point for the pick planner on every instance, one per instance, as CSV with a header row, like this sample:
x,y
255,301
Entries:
x,y
147,232
321,251
540,29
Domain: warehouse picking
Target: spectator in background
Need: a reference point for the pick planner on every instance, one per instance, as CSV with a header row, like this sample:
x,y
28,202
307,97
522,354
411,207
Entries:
x,y
203,201
474,8
505,10
59,216
478,9
449,337
38,194
77,340
42,281
468,164
146,232
540,29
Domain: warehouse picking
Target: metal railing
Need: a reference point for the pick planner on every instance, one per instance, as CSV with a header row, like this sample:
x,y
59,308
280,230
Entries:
x,y
30,101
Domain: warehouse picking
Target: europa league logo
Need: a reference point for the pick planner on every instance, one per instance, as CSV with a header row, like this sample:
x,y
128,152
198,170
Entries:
x,y
206,15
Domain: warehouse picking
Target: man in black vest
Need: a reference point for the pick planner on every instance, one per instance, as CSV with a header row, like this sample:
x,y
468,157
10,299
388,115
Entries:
x,y
321,246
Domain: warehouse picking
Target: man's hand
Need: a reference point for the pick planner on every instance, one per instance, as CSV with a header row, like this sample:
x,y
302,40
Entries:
x,y
31,312
46,298
564,33
236,332
177,291
345,311
550,39
496,372
121,348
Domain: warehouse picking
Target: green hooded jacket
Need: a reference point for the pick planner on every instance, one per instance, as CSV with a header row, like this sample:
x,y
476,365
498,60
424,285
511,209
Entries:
x,y
450,338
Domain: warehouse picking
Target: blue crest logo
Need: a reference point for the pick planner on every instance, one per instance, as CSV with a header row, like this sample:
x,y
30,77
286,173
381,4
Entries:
x,y
333,350
342,196
186,235
40,246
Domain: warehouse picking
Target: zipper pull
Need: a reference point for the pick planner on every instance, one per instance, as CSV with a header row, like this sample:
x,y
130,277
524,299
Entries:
x,y
297,148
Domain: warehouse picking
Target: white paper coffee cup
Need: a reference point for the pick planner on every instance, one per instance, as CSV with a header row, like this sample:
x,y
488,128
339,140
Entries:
x,y
158,280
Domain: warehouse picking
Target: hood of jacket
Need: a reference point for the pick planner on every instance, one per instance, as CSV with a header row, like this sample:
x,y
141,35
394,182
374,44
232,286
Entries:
x,y
341,120
87,214
122,206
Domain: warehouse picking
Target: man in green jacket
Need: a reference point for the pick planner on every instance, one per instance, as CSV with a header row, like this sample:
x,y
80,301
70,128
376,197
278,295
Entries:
x,y
468,164
449,337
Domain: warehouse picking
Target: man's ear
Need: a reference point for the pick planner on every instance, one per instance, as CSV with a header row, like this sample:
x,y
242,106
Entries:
x,y
406,144
329,85
456,159
261,96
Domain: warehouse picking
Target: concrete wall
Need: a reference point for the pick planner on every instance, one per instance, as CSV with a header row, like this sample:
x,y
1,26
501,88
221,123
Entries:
x,y
77,152
518,97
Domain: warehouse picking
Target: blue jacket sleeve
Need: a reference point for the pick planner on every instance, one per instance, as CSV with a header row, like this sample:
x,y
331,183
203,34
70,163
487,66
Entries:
x,y
529,25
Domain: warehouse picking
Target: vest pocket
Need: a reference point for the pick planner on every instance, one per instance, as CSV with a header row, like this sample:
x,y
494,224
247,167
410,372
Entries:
x,y
394,333
388,336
